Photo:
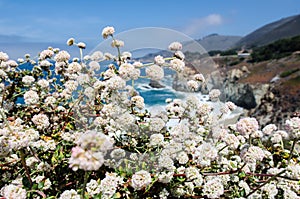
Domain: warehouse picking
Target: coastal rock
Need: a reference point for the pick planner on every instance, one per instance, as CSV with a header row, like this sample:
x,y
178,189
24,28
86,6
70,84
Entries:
x,y
156,84
240,94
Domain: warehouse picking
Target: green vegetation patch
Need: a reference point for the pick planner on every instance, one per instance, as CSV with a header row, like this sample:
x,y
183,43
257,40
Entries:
x,y
288,72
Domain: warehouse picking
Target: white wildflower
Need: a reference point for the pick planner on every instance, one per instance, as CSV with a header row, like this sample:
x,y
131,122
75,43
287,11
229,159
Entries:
x,y
179,54
31,97
28,79
177,65
43,83
247,126
62,56
182,157
71,85
74,67
3,56
253,154
155,72
41,121
45,63
213,188
165,177
199,77
138,102
118,153
192,173
108,31
85,159
110,184
108,56
174,46
46,54
70,41
156,124
138,64
117,43
214,94
231,106
81,45
156,140
269,129
159,60
97,56
231,140
13,191
293,126
94,65
69,194
193,85
140,180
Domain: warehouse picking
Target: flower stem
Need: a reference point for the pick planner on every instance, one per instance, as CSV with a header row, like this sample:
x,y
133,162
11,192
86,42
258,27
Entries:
x,y
86,176
23,161
81,55
269,180
291,151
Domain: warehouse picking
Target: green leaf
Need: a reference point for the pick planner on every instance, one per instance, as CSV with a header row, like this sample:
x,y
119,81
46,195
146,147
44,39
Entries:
x,y
40,185
242,175
26,182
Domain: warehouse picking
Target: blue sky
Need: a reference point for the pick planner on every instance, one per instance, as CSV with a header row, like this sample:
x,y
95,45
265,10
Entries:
x,y
58,20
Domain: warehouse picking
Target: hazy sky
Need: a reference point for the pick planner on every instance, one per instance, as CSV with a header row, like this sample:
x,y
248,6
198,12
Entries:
x,y
57,20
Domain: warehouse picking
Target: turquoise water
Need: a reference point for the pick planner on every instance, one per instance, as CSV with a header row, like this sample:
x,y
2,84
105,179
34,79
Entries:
x,y
152,96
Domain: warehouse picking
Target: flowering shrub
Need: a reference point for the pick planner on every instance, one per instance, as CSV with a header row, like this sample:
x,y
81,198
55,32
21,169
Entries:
x,y
69,131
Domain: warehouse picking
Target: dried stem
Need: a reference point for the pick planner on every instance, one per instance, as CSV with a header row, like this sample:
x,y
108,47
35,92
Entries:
x,y
23,161
269,180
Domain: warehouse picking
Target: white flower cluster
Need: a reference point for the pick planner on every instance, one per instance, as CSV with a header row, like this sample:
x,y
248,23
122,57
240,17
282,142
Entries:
x,y
41,121
138,102
205,153
159,60
3,56
46,54
31,97
16,137
247,126
177,65
156,124
155,72
128,71
69,194
108,31
110,184
74,67
62,56
175,46
13,192
213,188
293,126
140,180
214,94
90,151
28,79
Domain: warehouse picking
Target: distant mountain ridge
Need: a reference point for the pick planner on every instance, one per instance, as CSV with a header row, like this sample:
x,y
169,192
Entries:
x,y
283,28
218,42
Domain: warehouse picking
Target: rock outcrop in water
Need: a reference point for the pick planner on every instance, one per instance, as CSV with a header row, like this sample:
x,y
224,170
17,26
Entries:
x,y
156,84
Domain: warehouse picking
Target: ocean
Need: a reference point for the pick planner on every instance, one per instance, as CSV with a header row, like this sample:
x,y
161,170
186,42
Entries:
x,y
155,98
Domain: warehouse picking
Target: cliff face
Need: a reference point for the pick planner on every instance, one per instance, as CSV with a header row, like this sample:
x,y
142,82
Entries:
x,y
269,90
242,94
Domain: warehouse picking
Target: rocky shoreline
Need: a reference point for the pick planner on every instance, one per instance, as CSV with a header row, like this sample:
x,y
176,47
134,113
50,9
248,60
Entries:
x,y
255,88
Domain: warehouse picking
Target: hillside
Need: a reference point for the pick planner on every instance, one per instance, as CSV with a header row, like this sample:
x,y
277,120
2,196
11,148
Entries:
x,y
283,28
217,42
